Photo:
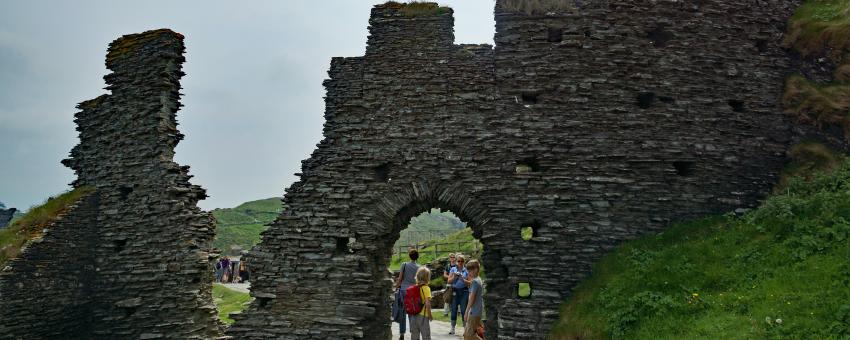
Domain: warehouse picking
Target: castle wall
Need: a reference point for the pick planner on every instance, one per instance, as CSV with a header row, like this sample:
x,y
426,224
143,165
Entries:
x,y
629,116
44,294
149,270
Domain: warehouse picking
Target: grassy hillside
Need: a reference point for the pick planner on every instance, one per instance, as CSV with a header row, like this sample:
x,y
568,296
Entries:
x,y
229,301
241,226
782,271
31,224
432,224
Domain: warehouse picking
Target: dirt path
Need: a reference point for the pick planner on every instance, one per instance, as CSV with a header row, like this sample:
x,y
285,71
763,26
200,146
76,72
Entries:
x,y
239,287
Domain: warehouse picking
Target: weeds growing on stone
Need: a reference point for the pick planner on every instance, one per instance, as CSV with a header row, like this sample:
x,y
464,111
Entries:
x,y
808,159
821,29
31,224
533,7
415,8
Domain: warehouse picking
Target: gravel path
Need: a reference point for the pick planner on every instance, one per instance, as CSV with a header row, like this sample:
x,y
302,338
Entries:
x,y
439,331
239,287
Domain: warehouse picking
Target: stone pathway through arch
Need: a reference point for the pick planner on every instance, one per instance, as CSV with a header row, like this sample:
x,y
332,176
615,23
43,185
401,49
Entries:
x,y
439,331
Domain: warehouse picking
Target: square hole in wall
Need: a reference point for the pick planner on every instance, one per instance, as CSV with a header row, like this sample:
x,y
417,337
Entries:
x,y
659,36
527,165
343,245
529,97
382,172
124,192
645,99
555,34
737,105
684,168
523,290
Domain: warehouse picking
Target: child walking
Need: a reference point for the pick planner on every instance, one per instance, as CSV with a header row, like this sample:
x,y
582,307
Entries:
x,y
475,307
420,324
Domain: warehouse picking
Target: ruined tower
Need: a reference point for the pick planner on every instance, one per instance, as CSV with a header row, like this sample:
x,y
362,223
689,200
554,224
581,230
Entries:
x,y
623,116
131,259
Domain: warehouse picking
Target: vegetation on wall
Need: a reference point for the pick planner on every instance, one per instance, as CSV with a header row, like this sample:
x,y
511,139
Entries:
x,y
807,159
31,224
821,29
532,7
415,8
782,271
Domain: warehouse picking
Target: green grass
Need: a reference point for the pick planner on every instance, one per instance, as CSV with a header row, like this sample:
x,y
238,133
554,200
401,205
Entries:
x,y
229,301
727,277
820,28
31,224
240,227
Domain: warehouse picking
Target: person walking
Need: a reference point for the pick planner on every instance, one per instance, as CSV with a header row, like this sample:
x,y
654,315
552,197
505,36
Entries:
x,y
475,306
447,294
406,278
219,270
420,324
243,272
457,278
225,264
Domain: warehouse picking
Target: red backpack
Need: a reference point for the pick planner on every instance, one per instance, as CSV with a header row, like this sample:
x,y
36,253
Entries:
x,y
413,300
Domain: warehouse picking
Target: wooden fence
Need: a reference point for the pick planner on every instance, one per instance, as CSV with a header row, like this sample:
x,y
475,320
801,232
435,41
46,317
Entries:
x,y
438,248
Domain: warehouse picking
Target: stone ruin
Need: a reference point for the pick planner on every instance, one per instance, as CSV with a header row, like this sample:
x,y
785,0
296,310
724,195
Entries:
x,y
591,126
130,260
6,215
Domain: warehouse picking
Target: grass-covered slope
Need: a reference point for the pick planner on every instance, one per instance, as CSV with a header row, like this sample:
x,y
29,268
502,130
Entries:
x,y
241,226
432,224
31,224
229,301
781,271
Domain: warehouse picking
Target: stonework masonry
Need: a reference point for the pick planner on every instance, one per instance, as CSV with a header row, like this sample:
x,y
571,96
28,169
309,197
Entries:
x,y
592,126
132,259
621,117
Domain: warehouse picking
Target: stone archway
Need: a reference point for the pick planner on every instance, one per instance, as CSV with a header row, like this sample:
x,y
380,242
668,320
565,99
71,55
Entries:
x,y
412,201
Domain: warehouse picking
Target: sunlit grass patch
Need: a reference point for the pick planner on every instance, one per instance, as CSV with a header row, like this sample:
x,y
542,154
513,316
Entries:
x,y
229,301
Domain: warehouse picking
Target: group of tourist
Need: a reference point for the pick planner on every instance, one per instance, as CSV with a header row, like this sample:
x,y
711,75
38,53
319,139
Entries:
x,y
230,271
463,295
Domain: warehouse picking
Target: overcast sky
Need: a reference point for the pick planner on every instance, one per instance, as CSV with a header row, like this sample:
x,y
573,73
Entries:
x,y
253,91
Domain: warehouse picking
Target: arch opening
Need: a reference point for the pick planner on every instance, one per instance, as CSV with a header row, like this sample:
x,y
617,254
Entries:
x,y
435,230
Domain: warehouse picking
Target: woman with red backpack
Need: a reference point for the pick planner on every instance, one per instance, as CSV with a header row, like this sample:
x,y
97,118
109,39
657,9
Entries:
x,y
406,278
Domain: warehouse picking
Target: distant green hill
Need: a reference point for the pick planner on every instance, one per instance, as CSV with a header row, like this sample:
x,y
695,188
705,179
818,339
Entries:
x,y
239,228
434,224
